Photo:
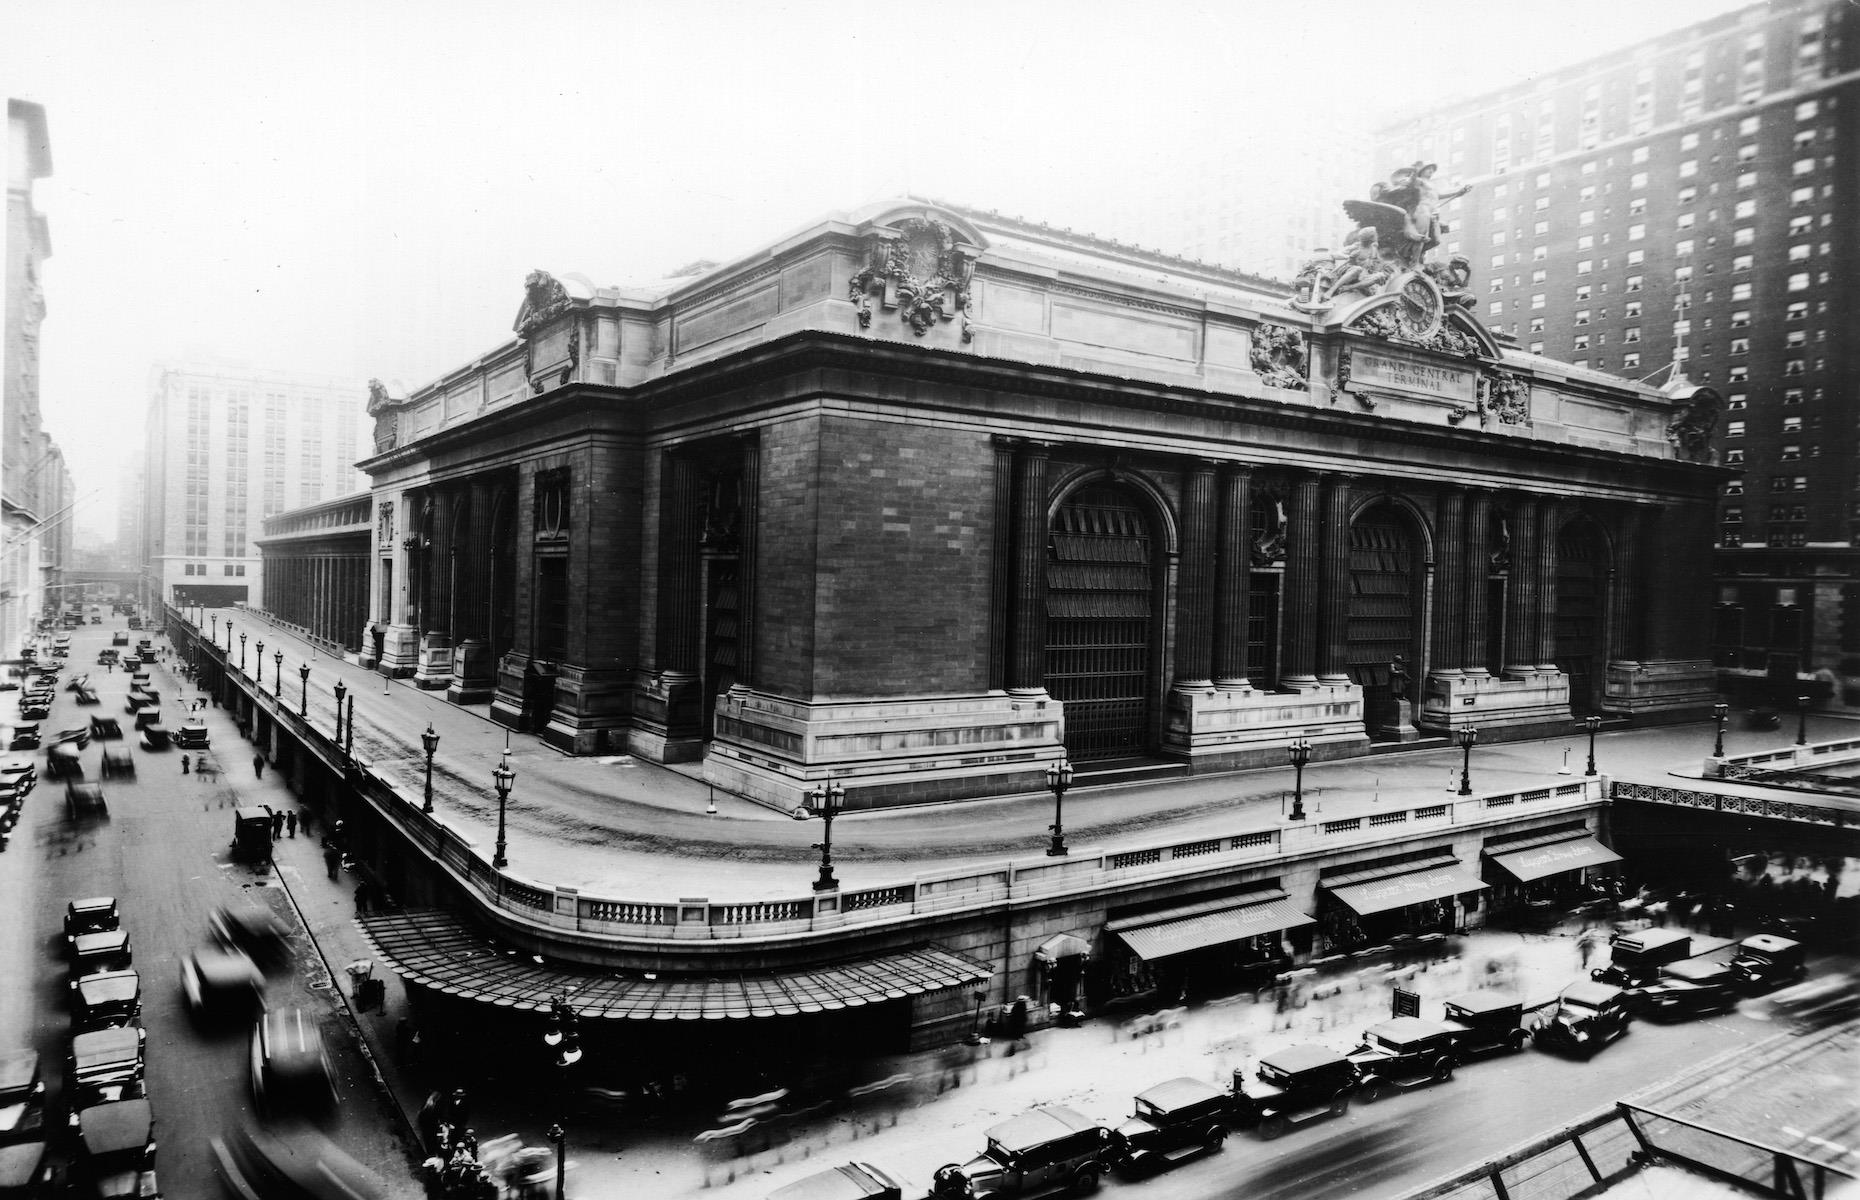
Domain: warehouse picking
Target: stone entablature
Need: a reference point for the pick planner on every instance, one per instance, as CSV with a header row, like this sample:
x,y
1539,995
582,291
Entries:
x,y
972,283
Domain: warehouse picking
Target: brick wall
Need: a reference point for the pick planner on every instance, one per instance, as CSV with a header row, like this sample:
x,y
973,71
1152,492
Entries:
x,y
788,512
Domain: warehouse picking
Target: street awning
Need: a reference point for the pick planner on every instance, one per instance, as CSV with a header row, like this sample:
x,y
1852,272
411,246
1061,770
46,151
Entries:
x,y
1539,861
1428,880
1211,923
1062,945
435,948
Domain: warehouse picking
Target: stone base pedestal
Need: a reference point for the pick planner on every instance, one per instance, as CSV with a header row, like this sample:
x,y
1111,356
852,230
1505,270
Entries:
x,y
400,651
590,711
435,667
885,753
474,678
1665,689
1394,722
1501,708
525,692
1223,731
667,717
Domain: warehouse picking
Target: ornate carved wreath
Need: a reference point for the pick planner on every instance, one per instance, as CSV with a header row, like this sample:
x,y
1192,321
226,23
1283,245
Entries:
x,y
924,267
1279,357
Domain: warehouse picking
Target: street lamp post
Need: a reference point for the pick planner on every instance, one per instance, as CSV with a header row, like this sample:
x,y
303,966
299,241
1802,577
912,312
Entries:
x,y
241,650
1591,723
261,667
277,675
1058,778
229,629
825,802
501,778
1300,754
1467,735
303,703
348,737
1719,712
429,739
340,692
559,1140
214,627
1801,720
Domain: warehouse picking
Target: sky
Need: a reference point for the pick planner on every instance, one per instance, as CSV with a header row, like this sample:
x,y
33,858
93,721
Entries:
x,y
357,189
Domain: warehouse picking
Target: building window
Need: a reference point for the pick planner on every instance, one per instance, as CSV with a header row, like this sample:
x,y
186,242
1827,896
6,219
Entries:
x,y
1802,195
1686,195
1734,429
1792,396
1741,263
1636,257
1537,324
1793,367
1633,283
1682,247
1580,342
1631,309
1801,166
1736,401
1744,236
1687,169
1582,316
1799,282
1792,425
1740,291
1631,334
1585,266
1685,221
1537,301
1739,374
1807,110
1799,252
1747,180
1582,292
1796,338
1498,237
1740,318
1630,360
1740,345
1790,453
1733,457
1539,254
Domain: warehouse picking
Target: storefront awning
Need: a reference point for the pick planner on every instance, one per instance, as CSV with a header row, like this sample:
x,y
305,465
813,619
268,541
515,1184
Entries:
x,y
1409,887
437,949
1159,935
1554,859
1062,945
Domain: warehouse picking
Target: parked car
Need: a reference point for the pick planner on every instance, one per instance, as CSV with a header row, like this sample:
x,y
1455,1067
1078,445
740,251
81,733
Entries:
x,y
84,801
1041,1150
192,735
1294,1086
252,832
34,710
290,1069
1686,989
1401,1054
105,729
1635,959
1484,1023
106,1065
92,914
25,737
1173,1121
109,654
22,1097
106,1000
220,982
25,1174
119,638
1764,961
18,777
854,1181
115,1157
1588,1016
105,950
118,763
252,930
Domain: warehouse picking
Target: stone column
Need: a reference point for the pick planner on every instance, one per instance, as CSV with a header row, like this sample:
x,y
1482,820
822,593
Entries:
x,y
1027,668
1521,595
1477,564
1303,566
1194,617
678,566
751,445
1623,588
1233,579
1450,585
1334,601
1001,588
1550,521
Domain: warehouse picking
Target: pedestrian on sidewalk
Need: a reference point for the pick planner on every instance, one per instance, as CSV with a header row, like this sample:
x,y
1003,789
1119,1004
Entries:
x,y
362,895
1587,943
277,825
290,822
332,859
303,818
186,760
258,765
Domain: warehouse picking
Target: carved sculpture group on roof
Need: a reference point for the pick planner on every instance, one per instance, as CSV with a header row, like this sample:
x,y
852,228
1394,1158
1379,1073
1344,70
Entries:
x,y
920,267
1691,429
544,299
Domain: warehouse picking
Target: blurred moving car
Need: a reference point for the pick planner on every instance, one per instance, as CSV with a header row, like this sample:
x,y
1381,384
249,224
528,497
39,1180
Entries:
x,y
93,914
1172,1121
1295,1085
105,729
105,1065
18,777
853,1181
1765,960
115,1158
298,1163
118,763
1686,989
220,982
156,737
62,761
85,800
22,1097
255,931
79,737
290,1069
1635,959
1588,1016
107,1000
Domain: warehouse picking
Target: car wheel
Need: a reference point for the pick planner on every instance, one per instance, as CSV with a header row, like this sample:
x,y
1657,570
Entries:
x,y
1085,1182
1340,1104
1518,1040
1273,1127
1217,1136
1443,1070
1373,1091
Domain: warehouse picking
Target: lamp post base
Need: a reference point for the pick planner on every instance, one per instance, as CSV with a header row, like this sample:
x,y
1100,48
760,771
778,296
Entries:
x,y
826,882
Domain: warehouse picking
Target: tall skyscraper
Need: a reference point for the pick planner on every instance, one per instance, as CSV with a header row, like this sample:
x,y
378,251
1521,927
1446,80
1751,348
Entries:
x,y
1686,205
226,447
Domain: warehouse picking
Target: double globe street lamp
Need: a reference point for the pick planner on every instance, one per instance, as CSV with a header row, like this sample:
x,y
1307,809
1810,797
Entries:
x,y
1592,724
1058,778
824,801
277,675
1718,713
1300,754
1467,736
430,740
241,651
260,681
501,779
303,701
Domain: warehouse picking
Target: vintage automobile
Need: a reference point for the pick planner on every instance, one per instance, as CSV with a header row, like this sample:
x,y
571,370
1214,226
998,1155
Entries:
x,y
139,680
138,700
251,930
62,761
1764,961
290,1069
105,729
1401,1054
1635,959
84,801
1686,989
88,695
134,622
252,832
1588,1016
146,717
106,1065
17,778
853,1181
220,982
108,655
118,763
106,1000
34,709
1294,1086
156,737
77,683
119,638
93,914
192,735
297,1162
22,1097
25,737
79,737
115,1157
25,1173
1173,1121
1041,1150
105,950
1486,1023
